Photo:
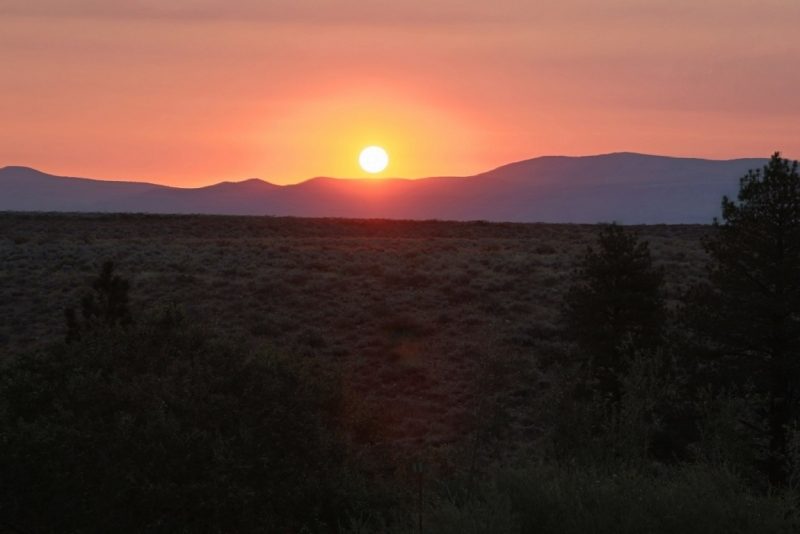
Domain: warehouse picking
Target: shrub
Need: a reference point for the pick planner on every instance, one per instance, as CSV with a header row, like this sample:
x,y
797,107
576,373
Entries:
x,y
106,305
545,499
163,427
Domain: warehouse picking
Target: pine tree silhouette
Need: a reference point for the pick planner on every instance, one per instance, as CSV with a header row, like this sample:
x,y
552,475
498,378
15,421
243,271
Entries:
x,y
618,297
748,314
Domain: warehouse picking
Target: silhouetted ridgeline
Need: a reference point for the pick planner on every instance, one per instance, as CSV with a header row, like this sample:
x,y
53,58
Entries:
x,y
629,188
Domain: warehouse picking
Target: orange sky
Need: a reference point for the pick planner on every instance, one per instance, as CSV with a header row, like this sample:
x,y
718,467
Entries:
x,y
190,93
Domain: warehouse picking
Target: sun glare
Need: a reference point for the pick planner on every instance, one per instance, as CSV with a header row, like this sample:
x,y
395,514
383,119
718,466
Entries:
x,y
373,159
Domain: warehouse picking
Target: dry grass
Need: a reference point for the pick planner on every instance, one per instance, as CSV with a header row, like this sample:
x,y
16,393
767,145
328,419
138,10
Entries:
x,y
411,310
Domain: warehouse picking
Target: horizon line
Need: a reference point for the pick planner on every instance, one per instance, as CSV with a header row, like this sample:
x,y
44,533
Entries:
x,y
373,178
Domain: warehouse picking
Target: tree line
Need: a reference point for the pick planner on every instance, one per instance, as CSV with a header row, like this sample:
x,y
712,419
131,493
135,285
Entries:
x,y
739,329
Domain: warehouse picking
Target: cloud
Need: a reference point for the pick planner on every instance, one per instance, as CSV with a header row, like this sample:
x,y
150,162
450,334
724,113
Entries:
x,y
411,12
277,11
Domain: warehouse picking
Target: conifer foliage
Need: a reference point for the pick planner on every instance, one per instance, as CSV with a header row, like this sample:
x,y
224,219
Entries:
x,y
747,316
618,297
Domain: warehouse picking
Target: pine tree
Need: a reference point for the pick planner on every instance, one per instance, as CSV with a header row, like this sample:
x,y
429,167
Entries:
x,y
747,316
618,297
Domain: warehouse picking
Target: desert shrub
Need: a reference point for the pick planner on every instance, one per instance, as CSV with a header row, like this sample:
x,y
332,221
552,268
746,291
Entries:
x,y
728,433
105,306
544,249
570,500
544,498
311,337
462,295
594,429
164,427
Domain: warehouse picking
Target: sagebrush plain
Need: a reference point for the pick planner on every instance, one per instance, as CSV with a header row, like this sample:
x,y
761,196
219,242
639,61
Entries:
x,y
410,310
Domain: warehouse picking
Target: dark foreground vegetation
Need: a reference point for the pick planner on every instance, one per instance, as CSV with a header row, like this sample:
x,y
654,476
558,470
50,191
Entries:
x,y
222,374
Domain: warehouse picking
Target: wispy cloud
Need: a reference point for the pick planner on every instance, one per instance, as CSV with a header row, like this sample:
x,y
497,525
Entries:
x,y
405,12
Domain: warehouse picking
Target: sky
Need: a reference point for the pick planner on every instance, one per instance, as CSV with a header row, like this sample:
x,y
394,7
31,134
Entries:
x,y
190,93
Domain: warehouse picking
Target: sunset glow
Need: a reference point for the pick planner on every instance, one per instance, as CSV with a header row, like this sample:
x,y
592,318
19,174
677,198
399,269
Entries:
x,y
192,93
373,159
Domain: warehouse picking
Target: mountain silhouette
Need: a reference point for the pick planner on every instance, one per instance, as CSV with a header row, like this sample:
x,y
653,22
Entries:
x,y
625,187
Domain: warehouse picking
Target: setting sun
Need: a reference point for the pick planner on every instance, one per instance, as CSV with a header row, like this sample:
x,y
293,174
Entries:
x,y
373,159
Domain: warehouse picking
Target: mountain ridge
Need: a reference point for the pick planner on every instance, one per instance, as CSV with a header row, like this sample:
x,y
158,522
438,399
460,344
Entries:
x,y
627,187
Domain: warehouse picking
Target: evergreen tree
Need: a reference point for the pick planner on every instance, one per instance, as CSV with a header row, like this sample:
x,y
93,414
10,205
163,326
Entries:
x,y
107,304
747,316
618,297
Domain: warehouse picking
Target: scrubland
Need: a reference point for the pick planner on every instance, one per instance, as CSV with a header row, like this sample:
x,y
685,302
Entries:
x,y
423,341
410,309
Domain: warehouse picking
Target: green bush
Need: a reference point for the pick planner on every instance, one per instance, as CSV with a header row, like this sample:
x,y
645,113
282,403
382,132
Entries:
x,y
678,500
163,427
545,499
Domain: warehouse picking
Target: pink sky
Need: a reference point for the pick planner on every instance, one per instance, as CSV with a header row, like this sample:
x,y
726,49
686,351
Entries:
x,y
189,93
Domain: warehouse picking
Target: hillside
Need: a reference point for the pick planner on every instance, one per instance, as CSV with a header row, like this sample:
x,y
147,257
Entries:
x,y
625,187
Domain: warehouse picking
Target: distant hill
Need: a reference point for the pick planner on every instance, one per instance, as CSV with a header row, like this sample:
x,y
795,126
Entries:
x,y
624,187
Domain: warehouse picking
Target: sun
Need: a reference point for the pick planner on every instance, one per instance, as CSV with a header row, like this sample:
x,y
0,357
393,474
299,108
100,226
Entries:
x,y
373,159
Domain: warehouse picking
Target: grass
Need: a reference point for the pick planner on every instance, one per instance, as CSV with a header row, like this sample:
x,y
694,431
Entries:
x,y
447,338
405,307
545,500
